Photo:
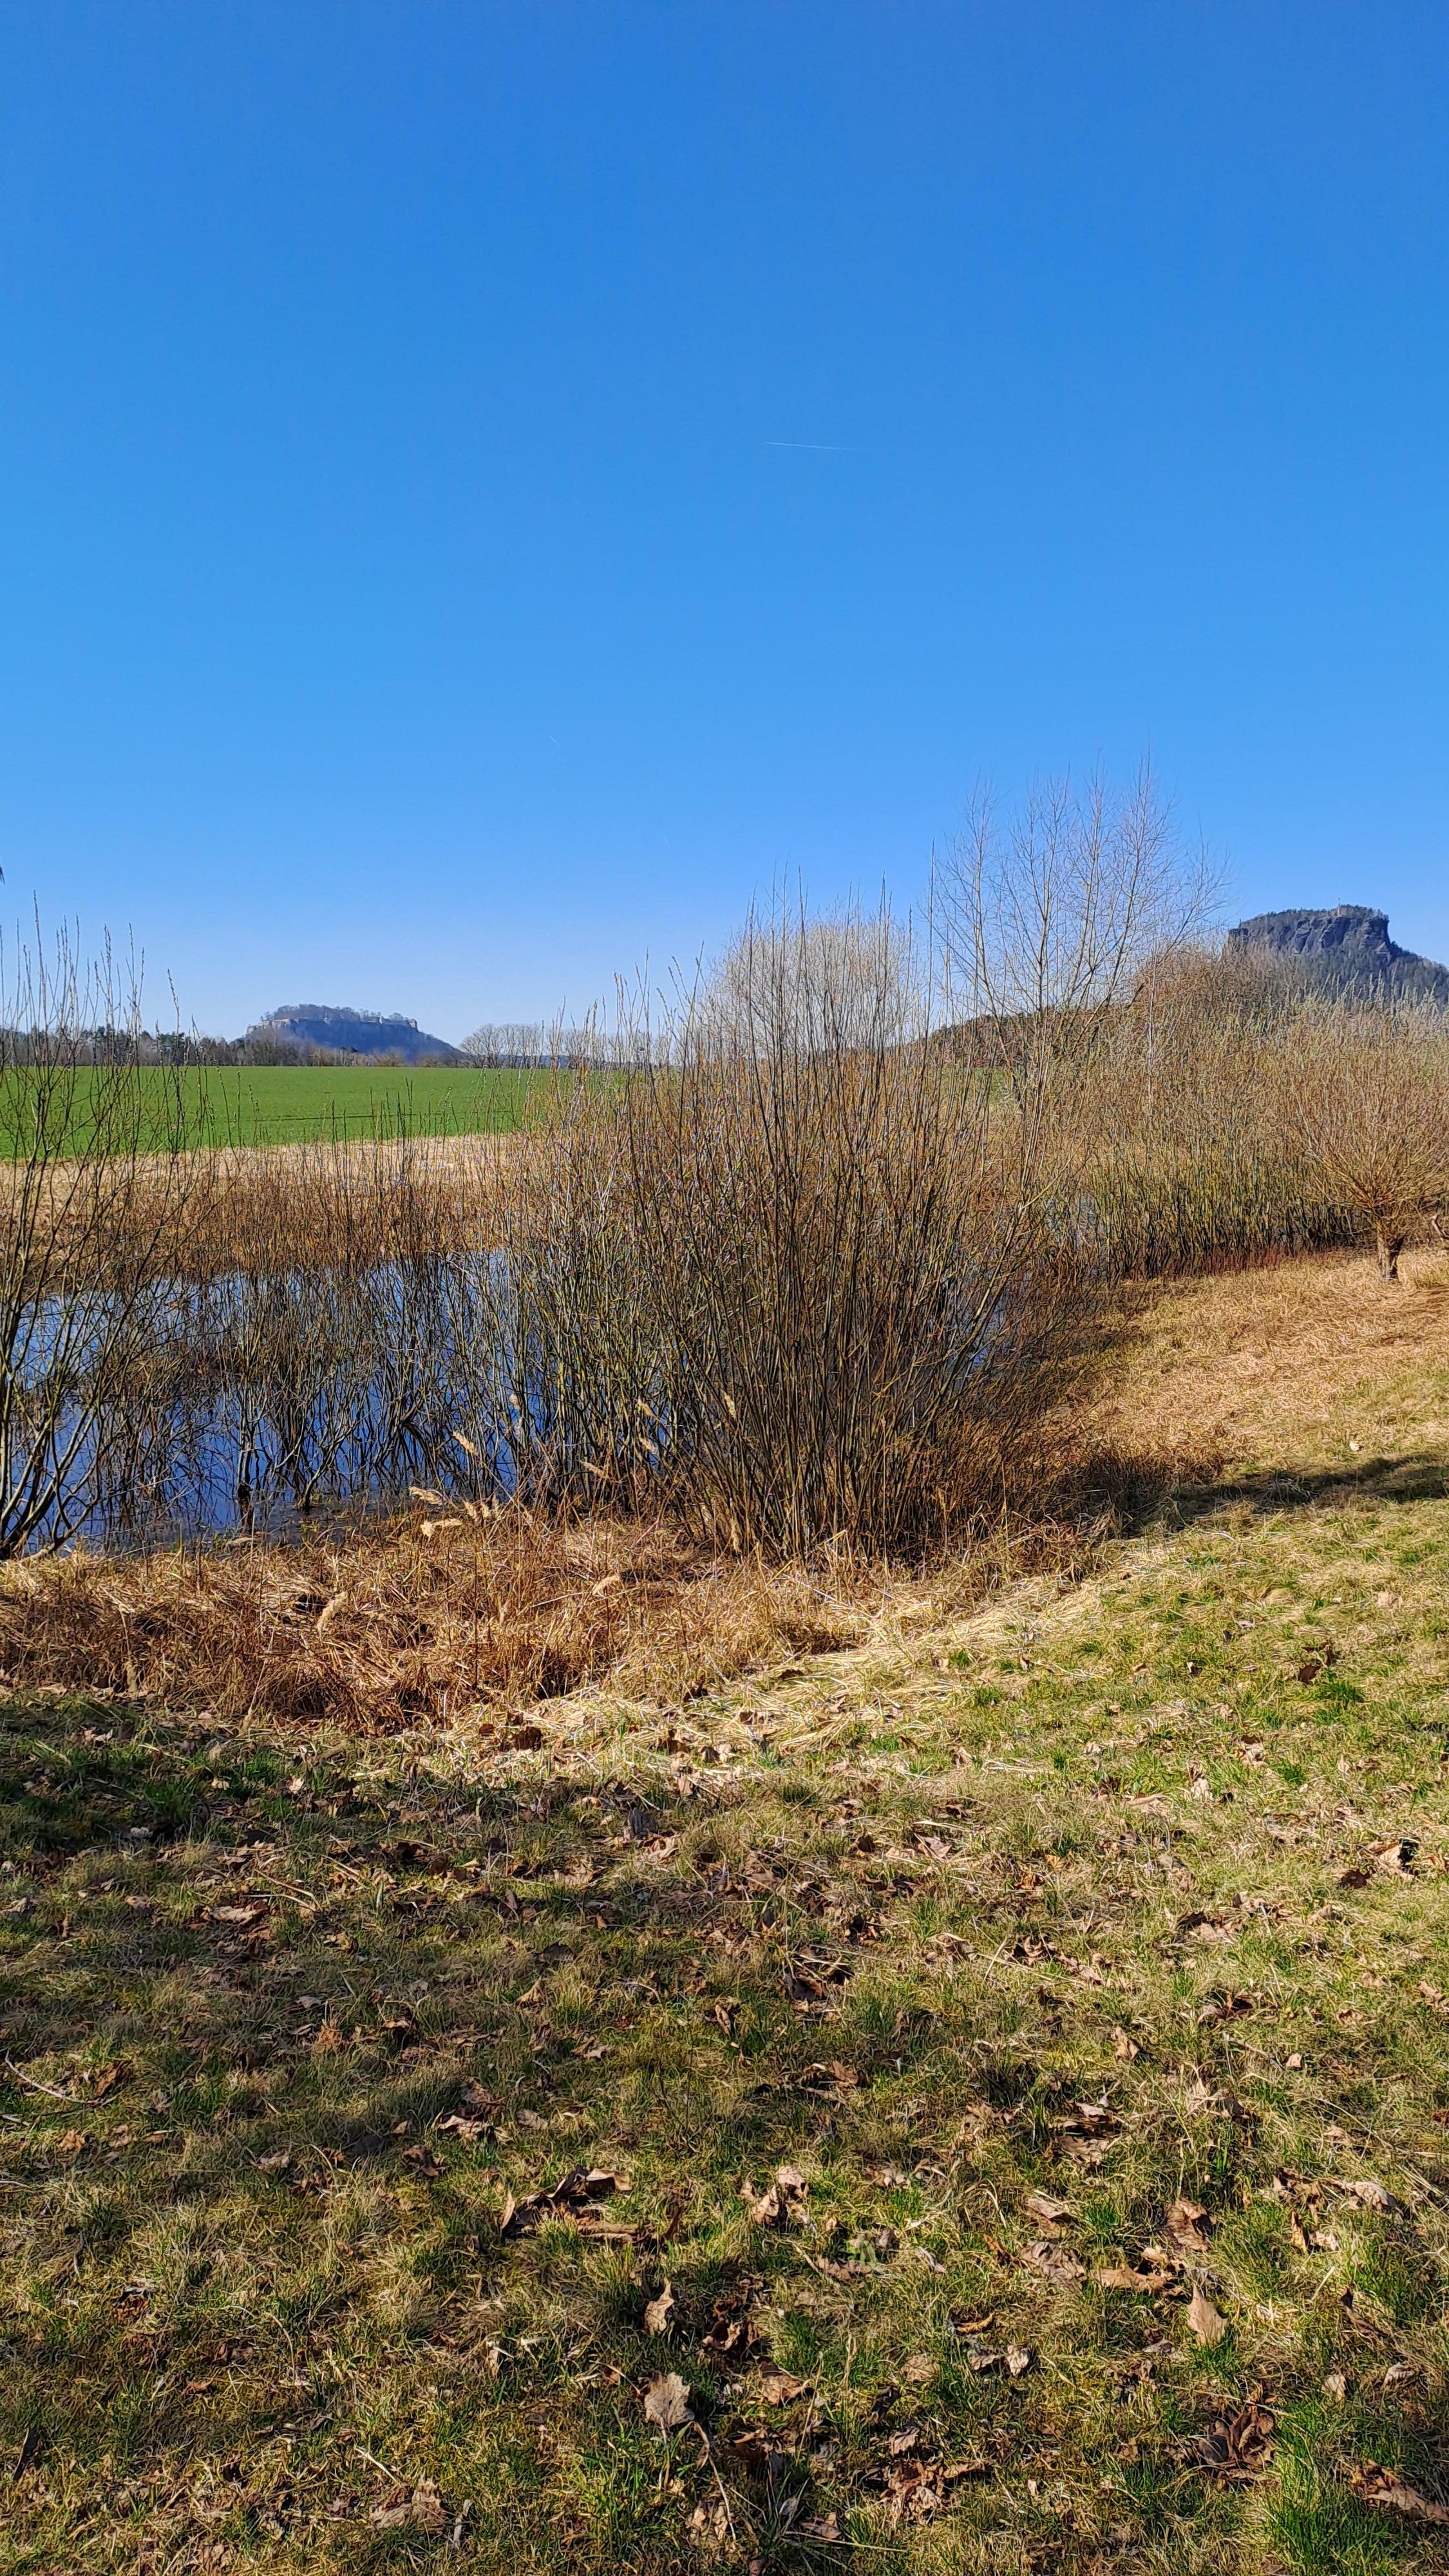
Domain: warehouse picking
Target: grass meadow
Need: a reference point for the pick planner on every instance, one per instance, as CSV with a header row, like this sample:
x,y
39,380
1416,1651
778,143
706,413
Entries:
x,y
247,1105
972,2099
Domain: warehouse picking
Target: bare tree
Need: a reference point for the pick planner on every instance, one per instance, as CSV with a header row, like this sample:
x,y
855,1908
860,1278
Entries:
x,y
840,979
1045,922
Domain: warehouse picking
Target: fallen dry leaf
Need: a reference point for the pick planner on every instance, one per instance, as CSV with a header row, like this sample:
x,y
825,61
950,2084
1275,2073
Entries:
x,y
1204,2320
1237,2446
1053,2263
666,2402
1187,2225
781,2388
1397,1858
1018,2359
1387,2492
657,2311
1040,2205
423,2509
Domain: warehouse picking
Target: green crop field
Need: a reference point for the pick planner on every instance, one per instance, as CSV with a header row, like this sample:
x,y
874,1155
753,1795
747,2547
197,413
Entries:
x,y
285,1105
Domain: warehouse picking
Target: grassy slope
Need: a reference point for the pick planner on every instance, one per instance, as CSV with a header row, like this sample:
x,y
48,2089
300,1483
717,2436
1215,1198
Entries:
x,y
888,1923
305,1104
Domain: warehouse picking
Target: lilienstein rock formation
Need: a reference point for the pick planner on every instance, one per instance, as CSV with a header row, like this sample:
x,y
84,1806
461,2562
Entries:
x,y
1345,949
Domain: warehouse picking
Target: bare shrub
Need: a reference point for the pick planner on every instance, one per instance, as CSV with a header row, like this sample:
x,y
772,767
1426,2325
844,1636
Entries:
x,y
1191,1161
1369,1093
98,1176
791,1275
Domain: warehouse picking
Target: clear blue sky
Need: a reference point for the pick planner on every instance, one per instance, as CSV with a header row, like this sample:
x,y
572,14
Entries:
x,y
485,489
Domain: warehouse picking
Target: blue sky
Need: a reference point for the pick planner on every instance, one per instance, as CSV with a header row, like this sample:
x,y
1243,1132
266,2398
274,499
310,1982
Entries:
x,y
485,490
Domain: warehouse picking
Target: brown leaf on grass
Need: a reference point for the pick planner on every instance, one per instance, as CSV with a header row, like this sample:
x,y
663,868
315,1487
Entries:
x,y
755,2447
819,2526
1387,2492
1018,2359
423,2509
1397,1858
1204,2320
236,1913
658,2311
1121,2276
784,2198
1048,2212
106,2080
1124,2045
1354,1877
917,2490
781,2388
666,2402
1371,2194
1188,2226
1237,2447
1053,2263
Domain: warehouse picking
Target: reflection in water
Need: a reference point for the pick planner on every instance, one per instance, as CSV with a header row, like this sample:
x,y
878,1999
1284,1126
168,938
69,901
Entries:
x,y
245,1401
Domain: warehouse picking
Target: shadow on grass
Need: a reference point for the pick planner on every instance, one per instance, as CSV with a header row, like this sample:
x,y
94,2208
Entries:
x,y
1142,1493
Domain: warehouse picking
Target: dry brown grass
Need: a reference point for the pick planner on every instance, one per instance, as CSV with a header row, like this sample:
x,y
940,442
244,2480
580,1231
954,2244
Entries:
x,y
254,1208
1270,1367
398,1627
465,1622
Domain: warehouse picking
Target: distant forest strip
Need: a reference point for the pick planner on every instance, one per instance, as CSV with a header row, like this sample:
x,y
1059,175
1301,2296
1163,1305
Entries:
x,y
289,1105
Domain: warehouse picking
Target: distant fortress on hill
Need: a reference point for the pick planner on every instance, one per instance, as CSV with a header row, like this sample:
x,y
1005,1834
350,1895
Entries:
x,y
302,1028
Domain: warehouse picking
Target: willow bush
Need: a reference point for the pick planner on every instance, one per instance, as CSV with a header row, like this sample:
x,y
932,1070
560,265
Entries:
x,y
791,1271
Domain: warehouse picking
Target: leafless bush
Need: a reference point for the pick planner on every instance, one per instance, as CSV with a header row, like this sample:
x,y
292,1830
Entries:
x,y
1191,1162
98,1173
1368,1091
790,1273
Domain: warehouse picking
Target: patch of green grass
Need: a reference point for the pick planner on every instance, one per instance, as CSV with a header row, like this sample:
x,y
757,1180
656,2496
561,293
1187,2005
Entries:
x,y
306,1104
